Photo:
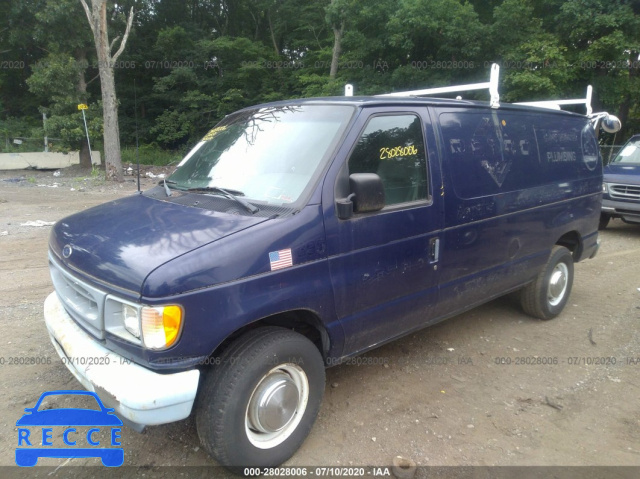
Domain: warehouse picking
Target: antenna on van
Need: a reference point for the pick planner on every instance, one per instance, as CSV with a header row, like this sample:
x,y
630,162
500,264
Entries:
x,y
135,105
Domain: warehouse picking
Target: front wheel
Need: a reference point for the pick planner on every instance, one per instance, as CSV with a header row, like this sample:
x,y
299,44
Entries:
x,y
546,297
257,406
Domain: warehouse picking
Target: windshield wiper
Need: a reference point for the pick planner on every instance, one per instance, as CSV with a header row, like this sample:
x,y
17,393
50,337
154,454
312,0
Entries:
x,y
166,188
231,194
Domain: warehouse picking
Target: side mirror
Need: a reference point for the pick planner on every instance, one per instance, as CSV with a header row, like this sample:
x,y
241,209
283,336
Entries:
x,y
367,194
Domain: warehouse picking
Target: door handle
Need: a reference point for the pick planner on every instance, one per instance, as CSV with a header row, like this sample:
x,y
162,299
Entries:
x,y
434,249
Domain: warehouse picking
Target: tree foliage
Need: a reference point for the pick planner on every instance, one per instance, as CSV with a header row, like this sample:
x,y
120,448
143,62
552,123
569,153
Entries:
x,y
188,64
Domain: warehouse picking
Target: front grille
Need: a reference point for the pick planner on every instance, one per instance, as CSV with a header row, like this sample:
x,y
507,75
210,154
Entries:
x,y
84,303
624,192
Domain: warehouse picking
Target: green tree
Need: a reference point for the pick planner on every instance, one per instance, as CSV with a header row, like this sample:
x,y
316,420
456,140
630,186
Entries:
x,y
59,79
97,17
534,60
19,50
603,42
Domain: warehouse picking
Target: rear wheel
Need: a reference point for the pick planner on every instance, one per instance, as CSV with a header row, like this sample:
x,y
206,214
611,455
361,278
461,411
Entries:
x,y
546,297
257,406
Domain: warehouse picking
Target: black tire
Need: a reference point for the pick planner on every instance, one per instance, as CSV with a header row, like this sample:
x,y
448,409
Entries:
x,y
604,221
546,297
262,357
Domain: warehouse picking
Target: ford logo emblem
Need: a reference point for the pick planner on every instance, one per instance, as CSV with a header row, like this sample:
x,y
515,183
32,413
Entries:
x,y
67,250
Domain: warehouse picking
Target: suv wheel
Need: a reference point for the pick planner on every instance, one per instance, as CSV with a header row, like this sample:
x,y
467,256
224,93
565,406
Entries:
x,y
604,221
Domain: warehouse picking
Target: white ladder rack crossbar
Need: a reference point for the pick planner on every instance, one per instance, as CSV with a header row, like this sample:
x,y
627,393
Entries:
x,y
556,104
491,85
442,89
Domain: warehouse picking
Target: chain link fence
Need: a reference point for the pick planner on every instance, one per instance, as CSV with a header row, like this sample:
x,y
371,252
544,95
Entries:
x,y
609,152
27,145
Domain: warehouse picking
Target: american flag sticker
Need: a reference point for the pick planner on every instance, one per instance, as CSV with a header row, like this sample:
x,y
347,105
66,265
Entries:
x,y
280,259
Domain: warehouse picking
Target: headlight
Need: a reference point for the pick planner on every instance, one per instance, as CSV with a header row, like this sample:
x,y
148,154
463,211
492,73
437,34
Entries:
x,y
131,320
156,327
605,189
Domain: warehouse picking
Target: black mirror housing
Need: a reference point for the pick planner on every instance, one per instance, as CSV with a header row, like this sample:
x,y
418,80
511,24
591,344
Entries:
x,y
368,191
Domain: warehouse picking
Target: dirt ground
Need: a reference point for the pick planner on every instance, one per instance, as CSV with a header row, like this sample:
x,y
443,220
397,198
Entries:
x,y
492,387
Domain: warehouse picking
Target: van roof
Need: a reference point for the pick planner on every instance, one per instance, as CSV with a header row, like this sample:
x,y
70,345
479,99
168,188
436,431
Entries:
x,y
369,101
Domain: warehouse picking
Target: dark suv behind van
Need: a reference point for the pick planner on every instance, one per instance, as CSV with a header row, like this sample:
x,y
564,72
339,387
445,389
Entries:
x,y
621,186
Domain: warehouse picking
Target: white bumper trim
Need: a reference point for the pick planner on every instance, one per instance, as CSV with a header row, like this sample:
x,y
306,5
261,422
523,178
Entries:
x,y
137,393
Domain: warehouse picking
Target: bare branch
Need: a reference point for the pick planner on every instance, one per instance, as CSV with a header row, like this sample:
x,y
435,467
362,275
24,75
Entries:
x,y
89,17
94,78
126,36
113,42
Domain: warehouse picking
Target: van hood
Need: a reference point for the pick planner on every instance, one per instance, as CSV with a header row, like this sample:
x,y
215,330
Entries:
x,y
620,173
121,242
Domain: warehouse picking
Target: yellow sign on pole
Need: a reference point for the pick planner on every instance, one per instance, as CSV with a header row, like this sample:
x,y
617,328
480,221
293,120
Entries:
x,y
82,107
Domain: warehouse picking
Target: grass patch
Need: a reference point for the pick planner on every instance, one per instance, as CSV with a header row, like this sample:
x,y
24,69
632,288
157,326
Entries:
x,y
150,155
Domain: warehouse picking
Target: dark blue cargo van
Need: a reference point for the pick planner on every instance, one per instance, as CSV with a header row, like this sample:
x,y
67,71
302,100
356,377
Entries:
x,y
299,233
621,187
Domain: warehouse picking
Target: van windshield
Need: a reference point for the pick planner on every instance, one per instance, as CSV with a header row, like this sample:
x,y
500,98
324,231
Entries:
x,y
270,154
630,154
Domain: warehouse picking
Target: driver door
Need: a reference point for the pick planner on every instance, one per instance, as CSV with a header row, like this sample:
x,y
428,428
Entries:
x,y
384,265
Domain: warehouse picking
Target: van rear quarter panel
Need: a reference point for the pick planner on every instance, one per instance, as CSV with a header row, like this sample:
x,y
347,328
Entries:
x,y
514,183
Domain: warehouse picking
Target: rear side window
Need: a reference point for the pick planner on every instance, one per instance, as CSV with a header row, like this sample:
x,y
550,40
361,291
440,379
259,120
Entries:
x,y
392,146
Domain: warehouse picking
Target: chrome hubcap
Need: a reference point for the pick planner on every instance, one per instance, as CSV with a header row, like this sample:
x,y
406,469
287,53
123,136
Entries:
x,y
558,284
273,403
276,406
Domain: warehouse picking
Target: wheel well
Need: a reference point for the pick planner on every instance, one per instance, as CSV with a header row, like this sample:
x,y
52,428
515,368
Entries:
x,y
573,242
304,322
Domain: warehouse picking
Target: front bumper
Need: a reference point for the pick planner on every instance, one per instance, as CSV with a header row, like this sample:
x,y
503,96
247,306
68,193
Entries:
x,y
138,395
630,211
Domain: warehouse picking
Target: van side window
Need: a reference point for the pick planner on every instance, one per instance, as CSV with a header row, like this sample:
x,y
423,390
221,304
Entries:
x,y
392,146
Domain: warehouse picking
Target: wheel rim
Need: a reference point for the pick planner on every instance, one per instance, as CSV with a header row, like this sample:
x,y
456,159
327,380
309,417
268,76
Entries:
x,y
276,406
558,284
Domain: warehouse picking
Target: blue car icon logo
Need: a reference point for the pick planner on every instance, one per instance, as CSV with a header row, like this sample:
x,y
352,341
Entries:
x,y
79,427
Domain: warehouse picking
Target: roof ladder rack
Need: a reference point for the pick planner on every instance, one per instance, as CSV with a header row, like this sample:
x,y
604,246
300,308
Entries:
x,y
609,123
491,85
556,104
